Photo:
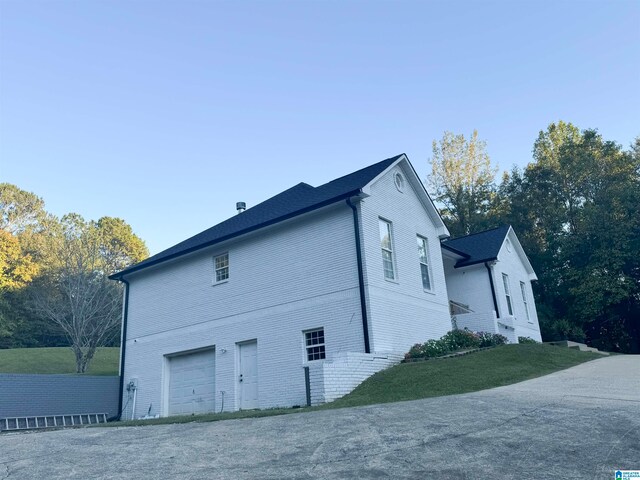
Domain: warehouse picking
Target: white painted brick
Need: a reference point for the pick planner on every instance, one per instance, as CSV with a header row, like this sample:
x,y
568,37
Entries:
x,y
402,313
297,275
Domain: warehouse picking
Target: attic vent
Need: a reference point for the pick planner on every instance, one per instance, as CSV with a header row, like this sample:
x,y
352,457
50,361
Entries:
x,y
508,245
241,207
398,179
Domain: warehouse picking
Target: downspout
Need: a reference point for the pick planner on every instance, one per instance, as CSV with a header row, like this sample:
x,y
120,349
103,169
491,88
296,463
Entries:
x,y
493,290
123,343
363,303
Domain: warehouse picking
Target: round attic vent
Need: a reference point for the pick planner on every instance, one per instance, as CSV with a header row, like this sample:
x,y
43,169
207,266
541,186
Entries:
x,y
508,245
399,181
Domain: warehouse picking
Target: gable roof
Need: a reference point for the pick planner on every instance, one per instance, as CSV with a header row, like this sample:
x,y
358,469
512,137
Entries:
x,y
478,247
295,201
485,246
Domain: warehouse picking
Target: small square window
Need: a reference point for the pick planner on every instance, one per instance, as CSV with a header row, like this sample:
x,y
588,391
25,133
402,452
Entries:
x,y
221,267
314,344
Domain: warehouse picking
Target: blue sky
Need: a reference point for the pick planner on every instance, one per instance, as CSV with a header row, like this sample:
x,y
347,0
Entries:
x,y
167,113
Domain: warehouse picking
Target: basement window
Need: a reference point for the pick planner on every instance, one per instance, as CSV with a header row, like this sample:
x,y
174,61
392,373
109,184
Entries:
x,y
314,344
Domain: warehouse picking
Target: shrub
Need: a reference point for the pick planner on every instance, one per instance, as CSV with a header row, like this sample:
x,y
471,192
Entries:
x,y
453,341
435,348
457,339
488,339
526,340
414,352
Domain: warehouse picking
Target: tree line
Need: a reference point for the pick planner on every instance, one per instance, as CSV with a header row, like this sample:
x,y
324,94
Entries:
x,y
576,210
54,286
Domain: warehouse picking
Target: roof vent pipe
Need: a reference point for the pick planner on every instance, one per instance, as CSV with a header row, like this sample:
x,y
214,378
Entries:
x,y
241,206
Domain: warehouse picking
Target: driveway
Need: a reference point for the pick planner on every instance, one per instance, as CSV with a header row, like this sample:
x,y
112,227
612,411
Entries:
x,y
583,422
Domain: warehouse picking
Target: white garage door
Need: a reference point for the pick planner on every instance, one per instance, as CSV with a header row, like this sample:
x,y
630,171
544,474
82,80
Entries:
x,y
192,384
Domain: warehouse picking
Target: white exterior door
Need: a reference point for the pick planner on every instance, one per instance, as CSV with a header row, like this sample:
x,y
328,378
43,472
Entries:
x,y
248,375
192,387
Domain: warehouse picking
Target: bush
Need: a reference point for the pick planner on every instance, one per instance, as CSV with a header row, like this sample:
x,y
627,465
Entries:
x,y
457,339
526,340
491,339
453,341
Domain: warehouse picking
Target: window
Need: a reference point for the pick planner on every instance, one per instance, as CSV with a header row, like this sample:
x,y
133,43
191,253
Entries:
x,y
399,181
507,292
523,289
314,344
386,243
423,255
221,266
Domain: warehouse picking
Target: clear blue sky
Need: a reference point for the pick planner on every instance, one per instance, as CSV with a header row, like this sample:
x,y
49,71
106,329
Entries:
x,y
167,113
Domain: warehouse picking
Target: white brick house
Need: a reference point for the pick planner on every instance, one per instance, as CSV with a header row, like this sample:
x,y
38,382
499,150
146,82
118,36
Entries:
x,y
294,301
488,277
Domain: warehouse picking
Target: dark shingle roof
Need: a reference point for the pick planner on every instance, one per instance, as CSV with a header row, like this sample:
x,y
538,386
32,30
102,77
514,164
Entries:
x,y
478,247
295,201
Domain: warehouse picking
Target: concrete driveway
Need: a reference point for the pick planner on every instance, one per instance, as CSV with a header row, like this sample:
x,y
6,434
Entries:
x,y
579,423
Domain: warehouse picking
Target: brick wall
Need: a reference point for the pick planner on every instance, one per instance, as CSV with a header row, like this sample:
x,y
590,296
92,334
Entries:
x,y
401,311
334,379
299,276
23,395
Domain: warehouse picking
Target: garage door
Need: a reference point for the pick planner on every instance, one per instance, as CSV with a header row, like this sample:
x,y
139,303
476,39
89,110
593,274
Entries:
x,y
192,383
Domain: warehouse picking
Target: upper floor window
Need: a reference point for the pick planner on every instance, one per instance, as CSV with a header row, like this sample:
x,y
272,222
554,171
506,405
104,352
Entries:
x,y
423,255
523,289
314,344
398,179
386,243
221,266
507,292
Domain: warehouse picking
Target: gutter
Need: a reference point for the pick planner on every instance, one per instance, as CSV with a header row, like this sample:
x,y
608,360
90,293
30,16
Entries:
x,y
493,290
363,304
123,343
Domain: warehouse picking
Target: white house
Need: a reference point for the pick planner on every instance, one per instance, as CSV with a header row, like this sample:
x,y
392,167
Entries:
x,y
488,278
294,301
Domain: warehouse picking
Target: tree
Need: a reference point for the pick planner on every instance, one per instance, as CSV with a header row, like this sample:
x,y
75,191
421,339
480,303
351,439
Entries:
x,y
19,210
17,268
463,182
575,209
74,291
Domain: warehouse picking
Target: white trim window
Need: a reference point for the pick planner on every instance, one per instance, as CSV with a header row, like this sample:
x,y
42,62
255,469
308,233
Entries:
x,y
314,344
221,268
423,255
523,289
386,244
507,292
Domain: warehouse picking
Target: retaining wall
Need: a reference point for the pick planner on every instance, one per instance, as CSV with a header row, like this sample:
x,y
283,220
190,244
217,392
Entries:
x,y
24,395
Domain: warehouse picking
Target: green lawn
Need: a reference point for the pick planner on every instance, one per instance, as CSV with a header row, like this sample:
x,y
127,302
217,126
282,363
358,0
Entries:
x,y
469,373
57,360
411,381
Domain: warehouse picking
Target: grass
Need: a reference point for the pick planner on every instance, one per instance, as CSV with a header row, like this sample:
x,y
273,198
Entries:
x,y
411,381
479,371
57,360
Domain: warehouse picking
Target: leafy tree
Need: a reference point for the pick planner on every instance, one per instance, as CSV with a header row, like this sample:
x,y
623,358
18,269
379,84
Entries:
x,y
17,268
74,291
576,211
19,210
463,182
